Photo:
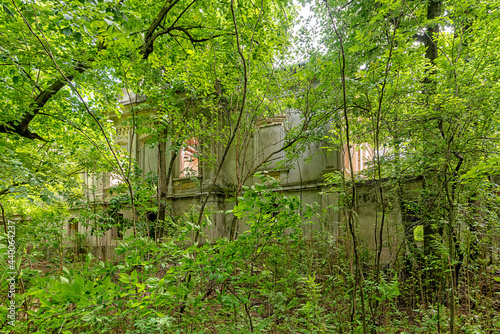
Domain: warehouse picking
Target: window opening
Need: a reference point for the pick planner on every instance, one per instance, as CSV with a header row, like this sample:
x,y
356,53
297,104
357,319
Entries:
x,y
360,156
72,227
189,163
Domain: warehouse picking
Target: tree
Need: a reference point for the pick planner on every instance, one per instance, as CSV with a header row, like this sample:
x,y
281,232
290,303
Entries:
x,y
410,72
64,63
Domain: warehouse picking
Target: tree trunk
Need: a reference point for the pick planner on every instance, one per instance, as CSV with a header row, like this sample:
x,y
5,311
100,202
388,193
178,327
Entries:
x,y
164,176
431,53
162,185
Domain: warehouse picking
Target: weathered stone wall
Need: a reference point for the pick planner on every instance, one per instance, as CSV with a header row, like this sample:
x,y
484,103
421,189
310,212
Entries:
x,y
302,176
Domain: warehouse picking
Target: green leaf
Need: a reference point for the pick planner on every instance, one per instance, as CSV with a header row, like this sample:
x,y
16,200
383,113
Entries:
x,y
7,10
78,284
67,17
89,257
37,293
77,36
87,317
152,282
45,302
124,278
67,31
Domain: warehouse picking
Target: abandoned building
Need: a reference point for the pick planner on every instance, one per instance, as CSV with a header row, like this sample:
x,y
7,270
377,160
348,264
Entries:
x,y
190,180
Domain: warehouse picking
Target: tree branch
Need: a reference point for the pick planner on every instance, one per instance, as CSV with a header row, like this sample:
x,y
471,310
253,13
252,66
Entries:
x,y
149,38
21,127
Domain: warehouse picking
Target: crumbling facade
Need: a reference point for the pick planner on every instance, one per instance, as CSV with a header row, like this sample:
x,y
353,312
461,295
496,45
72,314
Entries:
x,y
191,181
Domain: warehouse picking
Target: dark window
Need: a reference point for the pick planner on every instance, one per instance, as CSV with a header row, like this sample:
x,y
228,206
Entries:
x,y
72,227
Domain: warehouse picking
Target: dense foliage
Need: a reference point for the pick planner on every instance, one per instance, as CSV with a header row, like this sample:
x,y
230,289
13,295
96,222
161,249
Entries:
x,y
415,82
